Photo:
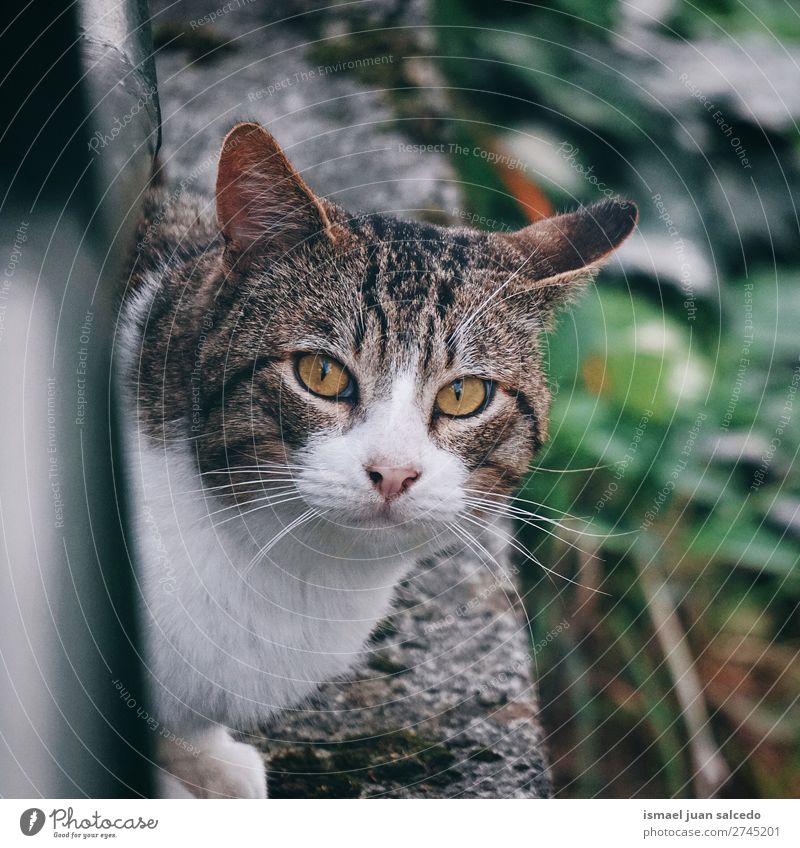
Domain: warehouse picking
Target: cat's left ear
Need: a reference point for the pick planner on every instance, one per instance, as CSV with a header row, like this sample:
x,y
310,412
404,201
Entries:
x,y
560,255
262,201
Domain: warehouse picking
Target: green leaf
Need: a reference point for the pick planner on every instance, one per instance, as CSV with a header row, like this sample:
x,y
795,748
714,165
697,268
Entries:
x,y
743,543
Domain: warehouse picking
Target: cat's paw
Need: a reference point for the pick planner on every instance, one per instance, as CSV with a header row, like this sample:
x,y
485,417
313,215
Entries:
x,y
168,786
217,767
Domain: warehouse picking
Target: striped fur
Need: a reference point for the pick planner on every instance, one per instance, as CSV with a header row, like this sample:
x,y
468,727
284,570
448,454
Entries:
x,y
267,554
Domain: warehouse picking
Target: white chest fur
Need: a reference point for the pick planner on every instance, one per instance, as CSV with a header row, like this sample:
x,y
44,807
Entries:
x,y
230,643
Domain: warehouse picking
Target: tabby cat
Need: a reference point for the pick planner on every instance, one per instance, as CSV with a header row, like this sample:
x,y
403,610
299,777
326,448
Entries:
x,y
315,401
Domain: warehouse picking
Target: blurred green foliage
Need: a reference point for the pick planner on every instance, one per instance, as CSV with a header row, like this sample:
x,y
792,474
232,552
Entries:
x,y
676,412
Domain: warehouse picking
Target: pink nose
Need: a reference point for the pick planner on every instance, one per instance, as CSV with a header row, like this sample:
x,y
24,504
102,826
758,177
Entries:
x,y
391,481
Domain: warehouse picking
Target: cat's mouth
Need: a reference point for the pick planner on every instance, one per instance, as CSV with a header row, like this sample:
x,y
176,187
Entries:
x,y
390,499
383,518
391,517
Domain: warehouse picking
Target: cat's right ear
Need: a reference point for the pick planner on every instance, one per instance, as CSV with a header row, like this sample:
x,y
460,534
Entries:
x,y
263,204
562,254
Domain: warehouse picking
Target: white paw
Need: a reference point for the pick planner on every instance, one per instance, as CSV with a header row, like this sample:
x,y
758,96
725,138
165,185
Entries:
x,y
218,767
168,786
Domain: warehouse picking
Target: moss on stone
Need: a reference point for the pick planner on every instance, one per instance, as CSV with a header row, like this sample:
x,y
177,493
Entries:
x,y
485,756
343,769
300,772
382,664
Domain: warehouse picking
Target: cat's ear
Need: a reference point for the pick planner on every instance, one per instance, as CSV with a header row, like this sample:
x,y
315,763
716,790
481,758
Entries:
x,y
262,202
560,255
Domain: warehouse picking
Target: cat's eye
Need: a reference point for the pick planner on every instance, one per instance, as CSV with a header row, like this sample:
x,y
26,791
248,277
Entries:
x,y
464,396
324,376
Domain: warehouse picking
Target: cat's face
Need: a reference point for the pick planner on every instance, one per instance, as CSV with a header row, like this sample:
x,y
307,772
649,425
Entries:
x,y
387,374
395,385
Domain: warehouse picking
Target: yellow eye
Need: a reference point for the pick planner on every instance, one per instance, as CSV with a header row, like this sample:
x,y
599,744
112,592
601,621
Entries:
x,y
324,376
464,396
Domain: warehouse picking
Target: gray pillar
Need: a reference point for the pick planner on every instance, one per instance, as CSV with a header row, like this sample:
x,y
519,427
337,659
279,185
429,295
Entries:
x,y
80,136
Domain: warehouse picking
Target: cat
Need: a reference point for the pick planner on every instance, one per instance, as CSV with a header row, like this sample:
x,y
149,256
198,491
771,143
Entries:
x,y
314,401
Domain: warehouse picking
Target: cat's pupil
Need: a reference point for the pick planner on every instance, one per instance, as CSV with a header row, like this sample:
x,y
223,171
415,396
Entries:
x,y
458,386
324,370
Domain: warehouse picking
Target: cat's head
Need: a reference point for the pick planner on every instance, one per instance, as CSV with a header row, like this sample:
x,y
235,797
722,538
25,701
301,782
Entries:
x,y
387,372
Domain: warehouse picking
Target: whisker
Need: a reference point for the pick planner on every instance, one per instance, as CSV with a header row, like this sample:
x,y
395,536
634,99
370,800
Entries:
x,y
169,440
547,531
528,519
261,461
529,522
512,510
506,498
301,519
468,536
268,493
265,463
261,505
528,555
571,470
249,469
509,509
267,497
212,490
